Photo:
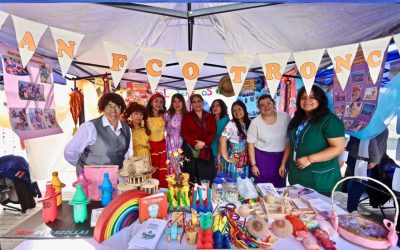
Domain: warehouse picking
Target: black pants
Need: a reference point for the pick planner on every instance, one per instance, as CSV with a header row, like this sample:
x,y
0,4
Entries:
x,y
198,169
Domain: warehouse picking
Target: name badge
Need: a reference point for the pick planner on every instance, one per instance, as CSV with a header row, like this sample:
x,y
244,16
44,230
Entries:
x,y
294,156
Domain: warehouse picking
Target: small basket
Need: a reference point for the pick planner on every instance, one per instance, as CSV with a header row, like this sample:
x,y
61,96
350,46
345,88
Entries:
x,y
383,237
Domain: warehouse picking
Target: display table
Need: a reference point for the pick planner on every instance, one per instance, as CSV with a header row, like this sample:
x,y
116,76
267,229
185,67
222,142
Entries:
x,y
121,239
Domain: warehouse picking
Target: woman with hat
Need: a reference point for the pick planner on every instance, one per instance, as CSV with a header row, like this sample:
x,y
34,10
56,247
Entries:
x,y
198,131
155,109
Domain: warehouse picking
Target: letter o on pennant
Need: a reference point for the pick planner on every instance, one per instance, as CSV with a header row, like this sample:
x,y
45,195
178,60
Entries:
x,y
190,71
308,70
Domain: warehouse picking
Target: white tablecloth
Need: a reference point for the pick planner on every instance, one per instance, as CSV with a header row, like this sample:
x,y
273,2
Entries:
x,y
121,239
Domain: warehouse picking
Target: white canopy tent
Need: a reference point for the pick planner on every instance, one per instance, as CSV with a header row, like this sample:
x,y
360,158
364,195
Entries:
x,y
217,28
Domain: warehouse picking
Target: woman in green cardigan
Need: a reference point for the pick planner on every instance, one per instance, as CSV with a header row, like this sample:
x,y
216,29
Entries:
x,y
316,139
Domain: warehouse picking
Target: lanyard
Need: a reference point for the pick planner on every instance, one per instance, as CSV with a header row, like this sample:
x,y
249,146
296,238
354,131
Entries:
x,y
300,129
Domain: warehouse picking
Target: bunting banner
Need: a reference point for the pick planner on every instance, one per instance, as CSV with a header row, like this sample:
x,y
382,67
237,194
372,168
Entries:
x,y
342,58
374,52
67,44
3,17
154,60
28,34
118,56
30,95
191,63
307,63
238,66
273,66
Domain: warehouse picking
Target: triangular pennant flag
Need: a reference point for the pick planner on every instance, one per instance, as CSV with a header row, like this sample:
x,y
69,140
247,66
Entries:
x,y
3,17
191,63
307,63
67,44
238,66
342,58
28,34
273,66
374,53
118,58
154,61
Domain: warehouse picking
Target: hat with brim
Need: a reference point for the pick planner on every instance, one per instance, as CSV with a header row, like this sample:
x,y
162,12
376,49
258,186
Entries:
x,y
225,86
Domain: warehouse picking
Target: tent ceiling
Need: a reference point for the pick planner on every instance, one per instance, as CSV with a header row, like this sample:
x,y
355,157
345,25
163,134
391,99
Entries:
x,y
265,29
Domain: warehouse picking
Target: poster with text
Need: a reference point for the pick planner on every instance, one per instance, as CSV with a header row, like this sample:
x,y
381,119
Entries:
x,y
356,104
30,95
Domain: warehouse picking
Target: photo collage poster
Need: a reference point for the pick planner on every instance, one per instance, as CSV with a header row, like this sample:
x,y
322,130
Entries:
x,y
356,105
249,94
30,95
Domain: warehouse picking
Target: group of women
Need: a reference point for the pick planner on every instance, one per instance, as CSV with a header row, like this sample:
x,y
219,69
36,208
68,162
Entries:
x,y
203,142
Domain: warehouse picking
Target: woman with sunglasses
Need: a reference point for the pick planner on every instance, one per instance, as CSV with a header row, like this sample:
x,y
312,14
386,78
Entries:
x,y
102,141
267,142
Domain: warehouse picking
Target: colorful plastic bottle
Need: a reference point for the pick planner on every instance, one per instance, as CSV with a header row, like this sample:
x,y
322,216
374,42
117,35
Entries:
x,y
49,211
58,185
106,189
79,202
85,183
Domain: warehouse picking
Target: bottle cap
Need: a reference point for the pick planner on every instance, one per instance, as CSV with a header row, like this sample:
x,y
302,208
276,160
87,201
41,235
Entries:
x,y
218,181
232,180
243,176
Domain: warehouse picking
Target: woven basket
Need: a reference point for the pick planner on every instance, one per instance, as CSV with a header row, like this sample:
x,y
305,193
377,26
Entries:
x,y
386,236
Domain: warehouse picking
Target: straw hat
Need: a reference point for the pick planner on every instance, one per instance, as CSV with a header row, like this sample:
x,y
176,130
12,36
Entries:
x,y
225,86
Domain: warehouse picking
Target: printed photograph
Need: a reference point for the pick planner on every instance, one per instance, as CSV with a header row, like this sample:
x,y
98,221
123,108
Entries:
x,y
357,76
44,73
359,126
371,94
37,119
340,96
50,118
339,109
30,91
356,93
13,66
352,109
18,119
347,124
368,109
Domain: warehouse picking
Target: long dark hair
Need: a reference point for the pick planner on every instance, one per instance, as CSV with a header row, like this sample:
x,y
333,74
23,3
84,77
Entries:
x,y
224,108
149,106
317,114
136,107
246,119
171,110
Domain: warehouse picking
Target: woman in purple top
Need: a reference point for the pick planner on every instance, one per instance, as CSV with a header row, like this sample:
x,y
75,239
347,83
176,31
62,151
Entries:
x,y
173,119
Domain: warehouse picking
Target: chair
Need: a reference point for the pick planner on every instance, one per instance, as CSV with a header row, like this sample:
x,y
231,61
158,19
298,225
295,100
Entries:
x,y
8,195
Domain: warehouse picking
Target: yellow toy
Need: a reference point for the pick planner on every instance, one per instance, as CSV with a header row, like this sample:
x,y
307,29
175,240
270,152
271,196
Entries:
x,y
178,191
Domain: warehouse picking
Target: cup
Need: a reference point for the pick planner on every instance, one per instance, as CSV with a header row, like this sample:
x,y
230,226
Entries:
x,y
205,184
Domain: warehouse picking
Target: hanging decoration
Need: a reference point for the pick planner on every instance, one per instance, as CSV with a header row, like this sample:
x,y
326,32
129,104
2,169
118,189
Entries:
x,y
76,106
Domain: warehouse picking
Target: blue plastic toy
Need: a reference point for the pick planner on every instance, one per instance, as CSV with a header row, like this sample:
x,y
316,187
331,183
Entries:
x,y
106,189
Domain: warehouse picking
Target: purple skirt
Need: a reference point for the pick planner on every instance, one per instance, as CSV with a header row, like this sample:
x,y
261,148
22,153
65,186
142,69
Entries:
x,y
268,164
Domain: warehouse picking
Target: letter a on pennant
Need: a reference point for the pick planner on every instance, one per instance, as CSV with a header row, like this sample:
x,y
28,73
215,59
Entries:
x,y
28,34
191,63
374,53
154,60
118,57
67,44
238,66
307,63
273,66
342,58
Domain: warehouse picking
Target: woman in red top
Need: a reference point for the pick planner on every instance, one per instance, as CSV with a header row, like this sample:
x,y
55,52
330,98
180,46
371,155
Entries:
x,y
198,130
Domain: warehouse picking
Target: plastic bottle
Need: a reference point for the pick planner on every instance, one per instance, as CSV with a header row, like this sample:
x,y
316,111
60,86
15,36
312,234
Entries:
x,y
106,189
222,176
57,185
218,190
231,191
246,187
79,203
49,211
84,181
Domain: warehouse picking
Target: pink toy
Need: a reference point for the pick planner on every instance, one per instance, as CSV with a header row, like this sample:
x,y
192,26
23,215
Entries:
x,y
326,226
85,183
362,231
49,211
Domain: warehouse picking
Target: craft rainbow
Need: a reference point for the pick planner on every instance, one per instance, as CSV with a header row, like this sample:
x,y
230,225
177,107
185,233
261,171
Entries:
x,y
121,212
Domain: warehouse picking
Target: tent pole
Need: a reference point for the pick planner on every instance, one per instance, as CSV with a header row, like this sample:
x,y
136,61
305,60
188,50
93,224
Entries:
x,y
190,27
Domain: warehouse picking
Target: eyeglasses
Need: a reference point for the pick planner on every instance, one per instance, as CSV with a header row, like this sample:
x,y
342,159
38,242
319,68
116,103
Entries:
x,y
268,104
310,98
116,107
